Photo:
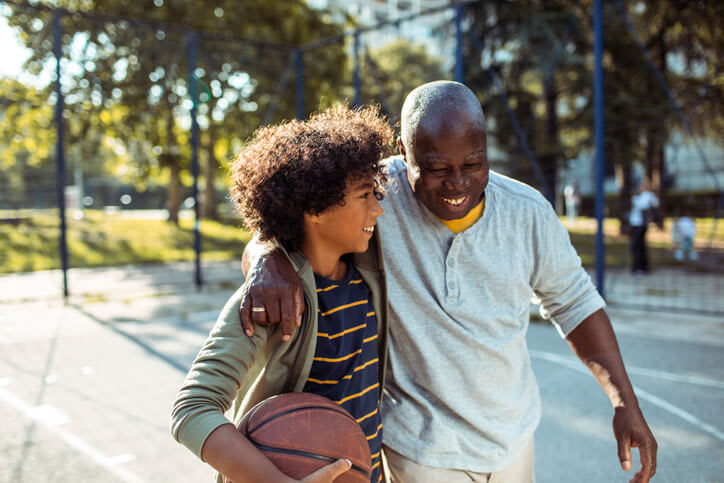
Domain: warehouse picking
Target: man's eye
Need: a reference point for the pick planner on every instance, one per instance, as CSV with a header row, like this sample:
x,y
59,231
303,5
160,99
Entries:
x,y
436,170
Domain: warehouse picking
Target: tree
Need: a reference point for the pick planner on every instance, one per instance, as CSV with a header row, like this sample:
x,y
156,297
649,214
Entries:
x,y
143,66
390,72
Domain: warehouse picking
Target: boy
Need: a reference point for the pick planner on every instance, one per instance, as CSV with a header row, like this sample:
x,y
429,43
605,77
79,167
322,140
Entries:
x,y
313,187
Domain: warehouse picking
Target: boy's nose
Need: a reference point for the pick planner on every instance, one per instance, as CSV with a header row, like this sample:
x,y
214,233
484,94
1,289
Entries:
x,y
376,209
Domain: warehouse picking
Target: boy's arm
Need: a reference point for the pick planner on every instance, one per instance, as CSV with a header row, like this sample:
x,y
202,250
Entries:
x,y
234,456
270,283
594,342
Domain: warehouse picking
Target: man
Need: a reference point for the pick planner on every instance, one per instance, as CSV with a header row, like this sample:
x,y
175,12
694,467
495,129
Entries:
x,y
465,250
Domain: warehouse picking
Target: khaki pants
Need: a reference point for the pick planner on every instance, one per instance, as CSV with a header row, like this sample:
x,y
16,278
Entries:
x,y
400,469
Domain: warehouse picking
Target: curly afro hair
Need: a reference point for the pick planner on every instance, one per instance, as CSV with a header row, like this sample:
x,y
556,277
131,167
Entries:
x,y
303,167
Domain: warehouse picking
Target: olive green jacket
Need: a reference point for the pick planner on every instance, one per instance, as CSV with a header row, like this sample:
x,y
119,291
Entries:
x,y
234,368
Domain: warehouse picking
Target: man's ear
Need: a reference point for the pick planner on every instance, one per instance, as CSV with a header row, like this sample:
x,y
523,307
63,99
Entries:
x,y
402,149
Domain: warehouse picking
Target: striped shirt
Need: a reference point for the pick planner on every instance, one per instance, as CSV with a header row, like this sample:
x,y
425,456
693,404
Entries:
x,y
346,364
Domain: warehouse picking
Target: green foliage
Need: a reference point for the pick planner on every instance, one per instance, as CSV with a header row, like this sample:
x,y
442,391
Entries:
x,y
390,72
128,84
542,52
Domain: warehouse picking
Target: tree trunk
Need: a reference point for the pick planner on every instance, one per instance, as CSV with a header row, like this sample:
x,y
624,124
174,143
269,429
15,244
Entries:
x,y
549,160
624,178
174,194
208,204
173,202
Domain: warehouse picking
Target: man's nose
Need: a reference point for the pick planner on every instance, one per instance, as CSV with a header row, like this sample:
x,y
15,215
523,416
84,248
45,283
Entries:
x,y
456,179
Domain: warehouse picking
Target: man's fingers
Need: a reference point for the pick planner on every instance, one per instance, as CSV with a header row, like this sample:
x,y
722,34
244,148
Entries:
x,y
272,310
624,452
329,472
647,453
298,305
258,313
286,307
245,316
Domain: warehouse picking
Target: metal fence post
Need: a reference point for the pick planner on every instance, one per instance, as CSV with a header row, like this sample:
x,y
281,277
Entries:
x,y
459,43
59,150
195,156
357,82
599,133
299,67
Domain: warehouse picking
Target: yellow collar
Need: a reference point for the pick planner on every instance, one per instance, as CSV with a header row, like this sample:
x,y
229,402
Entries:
x,y
462,224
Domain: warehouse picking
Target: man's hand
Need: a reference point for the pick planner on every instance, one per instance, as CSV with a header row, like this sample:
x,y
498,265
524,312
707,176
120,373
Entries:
x,y
631,431
594,342
272,294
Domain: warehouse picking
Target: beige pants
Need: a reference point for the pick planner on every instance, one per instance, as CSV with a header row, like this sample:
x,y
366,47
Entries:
x,y
401,469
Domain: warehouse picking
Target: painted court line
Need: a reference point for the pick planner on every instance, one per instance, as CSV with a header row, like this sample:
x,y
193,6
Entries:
x,y
667,376
41,416
655,400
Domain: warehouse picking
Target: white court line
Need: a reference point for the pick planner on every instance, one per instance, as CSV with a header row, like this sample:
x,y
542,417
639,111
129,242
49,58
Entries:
x,y
576,365
71,439
667,376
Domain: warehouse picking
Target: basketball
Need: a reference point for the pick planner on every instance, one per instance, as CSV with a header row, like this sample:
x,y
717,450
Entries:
x,y
301,432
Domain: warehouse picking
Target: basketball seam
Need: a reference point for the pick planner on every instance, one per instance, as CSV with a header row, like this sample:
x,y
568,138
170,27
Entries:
x,y
307,454
289,411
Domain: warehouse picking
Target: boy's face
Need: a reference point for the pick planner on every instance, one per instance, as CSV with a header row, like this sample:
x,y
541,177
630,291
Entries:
x,y
348,227
447,166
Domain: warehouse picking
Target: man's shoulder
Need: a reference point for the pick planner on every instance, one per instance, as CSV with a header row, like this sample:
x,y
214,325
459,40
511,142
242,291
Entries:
x,y
395,165
516,191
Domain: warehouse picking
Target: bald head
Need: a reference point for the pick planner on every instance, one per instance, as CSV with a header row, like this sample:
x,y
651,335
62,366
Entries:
x,y
427,104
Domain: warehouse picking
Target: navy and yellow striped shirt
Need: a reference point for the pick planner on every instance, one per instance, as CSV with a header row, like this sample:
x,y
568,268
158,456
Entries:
x,y
346,362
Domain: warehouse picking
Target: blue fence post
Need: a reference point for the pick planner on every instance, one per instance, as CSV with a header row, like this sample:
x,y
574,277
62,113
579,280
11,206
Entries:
x,y
299,67
193,91
60,151
599,133
459,43
357,82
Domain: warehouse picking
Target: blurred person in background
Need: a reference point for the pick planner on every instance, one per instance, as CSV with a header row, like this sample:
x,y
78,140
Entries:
x,y
683,233
644,210
572,198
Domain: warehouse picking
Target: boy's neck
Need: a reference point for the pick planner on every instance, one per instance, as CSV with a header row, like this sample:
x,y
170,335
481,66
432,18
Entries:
x,y
324,262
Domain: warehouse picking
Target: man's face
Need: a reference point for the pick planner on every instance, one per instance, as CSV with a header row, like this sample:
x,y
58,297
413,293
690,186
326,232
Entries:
x,y
447,166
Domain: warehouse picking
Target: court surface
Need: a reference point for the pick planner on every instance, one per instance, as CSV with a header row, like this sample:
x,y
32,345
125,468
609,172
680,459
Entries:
x,y
86,388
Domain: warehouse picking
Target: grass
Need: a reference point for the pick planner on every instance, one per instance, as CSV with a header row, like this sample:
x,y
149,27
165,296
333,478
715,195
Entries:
x,y
101,239
29,240
583,236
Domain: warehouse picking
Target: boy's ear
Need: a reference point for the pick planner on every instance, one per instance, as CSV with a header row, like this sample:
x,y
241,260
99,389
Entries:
x,y
310,218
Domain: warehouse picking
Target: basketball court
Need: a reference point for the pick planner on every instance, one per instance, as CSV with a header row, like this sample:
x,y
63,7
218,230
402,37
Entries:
x,y
86,389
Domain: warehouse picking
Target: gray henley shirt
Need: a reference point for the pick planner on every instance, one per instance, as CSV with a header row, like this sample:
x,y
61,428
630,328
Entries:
x,y
460,392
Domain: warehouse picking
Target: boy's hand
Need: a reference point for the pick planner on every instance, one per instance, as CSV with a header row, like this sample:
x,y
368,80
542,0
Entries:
x,y
272,294
329,472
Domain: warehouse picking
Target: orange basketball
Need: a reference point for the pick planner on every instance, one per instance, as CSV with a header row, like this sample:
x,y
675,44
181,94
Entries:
x,y
301,432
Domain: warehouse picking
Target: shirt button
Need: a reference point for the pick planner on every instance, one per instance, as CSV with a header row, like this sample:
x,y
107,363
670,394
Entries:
x,y
451,285
451,263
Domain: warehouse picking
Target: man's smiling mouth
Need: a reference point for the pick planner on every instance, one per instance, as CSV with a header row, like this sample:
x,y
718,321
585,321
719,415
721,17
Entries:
x,y
455,201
